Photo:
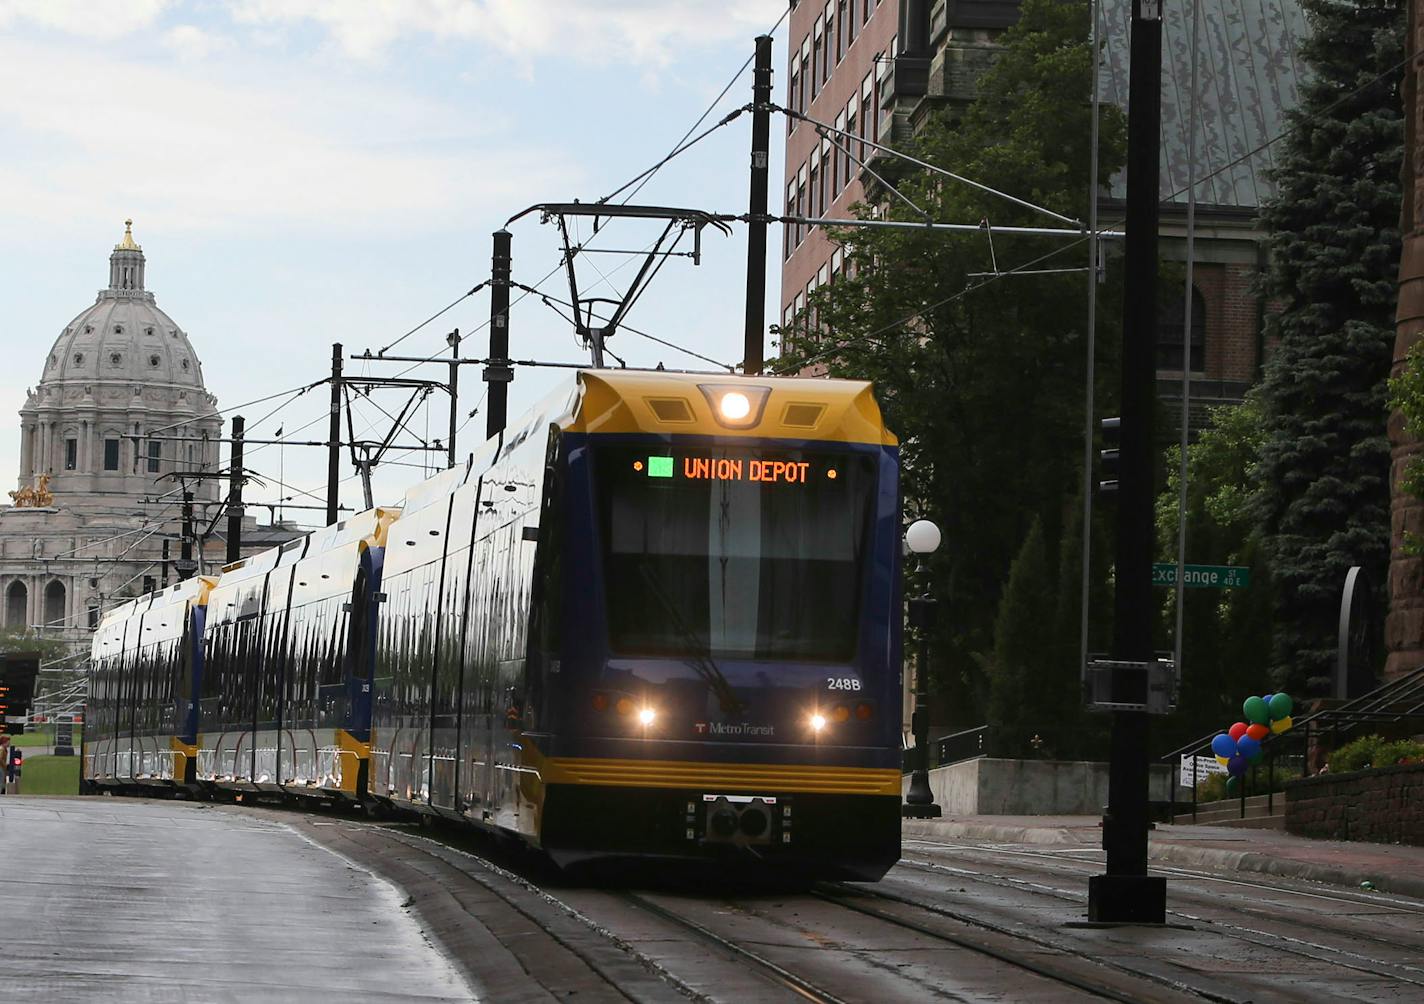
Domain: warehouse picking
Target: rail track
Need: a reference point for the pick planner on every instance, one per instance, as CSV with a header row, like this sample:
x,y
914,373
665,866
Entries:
x,y
953,921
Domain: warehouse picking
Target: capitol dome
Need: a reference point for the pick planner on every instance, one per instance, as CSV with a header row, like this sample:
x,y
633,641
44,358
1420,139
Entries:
x,y
121,400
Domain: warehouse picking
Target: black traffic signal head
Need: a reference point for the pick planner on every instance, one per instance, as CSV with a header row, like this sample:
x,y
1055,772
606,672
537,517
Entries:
x,y
1108,456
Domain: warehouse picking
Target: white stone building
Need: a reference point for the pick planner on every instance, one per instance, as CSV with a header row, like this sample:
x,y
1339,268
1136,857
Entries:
x,y
120,403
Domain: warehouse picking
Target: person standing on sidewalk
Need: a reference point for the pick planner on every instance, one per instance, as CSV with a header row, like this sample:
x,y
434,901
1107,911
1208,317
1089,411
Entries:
x,y
4,764
12,770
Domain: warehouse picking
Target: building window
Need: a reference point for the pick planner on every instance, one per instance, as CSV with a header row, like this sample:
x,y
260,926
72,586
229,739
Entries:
x,y
867,7
54,615
789,232
1171,324
815,183
111,454
793,91
830,19
17,604
71,454
155,455
93,618
851,117
838,164
852,23
801,203
826,195
869,116
816,44
806,74
840,6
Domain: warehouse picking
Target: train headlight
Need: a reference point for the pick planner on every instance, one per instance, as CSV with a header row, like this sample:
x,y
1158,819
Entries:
x,y
646,716
736,406
818,722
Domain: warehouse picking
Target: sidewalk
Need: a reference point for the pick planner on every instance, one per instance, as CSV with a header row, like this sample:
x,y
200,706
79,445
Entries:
x,y
1391,868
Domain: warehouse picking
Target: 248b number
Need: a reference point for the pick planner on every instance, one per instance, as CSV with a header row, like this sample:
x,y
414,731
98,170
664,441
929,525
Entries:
x,y
842,683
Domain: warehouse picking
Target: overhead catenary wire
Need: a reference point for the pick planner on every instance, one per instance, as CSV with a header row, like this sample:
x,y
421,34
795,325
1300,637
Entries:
x,y
647,175
632,330
641,179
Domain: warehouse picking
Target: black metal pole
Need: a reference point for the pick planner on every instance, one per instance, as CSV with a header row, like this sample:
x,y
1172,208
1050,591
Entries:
x,y
186,565
498,373
234,492
756,209
333,440
919,800
165,563
454,339
1126,892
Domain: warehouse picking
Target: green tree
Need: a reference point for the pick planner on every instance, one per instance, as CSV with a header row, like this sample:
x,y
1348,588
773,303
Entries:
x,y
1227,634
1323,478
982,380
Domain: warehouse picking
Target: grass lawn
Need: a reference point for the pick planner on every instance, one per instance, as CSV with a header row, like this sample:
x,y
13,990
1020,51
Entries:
x,y
50,775
42,736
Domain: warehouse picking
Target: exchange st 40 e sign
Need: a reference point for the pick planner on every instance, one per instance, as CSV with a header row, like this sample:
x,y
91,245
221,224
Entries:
x,y
1202,576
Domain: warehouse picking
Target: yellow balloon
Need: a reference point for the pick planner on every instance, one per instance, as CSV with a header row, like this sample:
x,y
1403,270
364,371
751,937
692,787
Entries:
x,y
1222,760
1281,725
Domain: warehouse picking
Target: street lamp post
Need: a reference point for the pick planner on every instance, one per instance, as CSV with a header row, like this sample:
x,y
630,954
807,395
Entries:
x,y
922,538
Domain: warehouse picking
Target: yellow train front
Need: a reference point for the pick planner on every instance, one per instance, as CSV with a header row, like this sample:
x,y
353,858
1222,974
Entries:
x,y
660,617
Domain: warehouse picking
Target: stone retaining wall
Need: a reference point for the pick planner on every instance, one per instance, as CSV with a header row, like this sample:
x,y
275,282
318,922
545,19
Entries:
x,y
1382,806
989,786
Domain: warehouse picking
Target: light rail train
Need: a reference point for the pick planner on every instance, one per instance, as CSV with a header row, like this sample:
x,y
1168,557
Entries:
x,y
658,617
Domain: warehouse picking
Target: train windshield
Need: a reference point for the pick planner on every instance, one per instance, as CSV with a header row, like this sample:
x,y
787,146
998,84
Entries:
x,y
734,552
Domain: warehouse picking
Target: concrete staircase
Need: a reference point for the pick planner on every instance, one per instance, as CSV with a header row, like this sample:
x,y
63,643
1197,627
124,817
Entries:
x,y
1228,813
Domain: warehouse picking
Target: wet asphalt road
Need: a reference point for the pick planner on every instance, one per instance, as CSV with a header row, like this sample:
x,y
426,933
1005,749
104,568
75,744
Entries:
x,y
131,900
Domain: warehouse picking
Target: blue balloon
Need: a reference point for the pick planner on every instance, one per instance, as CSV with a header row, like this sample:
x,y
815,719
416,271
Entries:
x,y
1236,766
1248,747
1223,745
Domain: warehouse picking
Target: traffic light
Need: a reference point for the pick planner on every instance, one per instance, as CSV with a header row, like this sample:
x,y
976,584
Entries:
x,y
1108,466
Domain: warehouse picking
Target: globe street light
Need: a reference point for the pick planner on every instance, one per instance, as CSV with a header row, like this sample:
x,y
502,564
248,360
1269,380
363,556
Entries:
x,y
922,538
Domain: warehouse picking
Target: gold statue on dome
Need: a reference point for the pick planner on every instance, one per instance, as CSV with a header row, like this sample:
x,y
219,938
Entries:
x,y
38,497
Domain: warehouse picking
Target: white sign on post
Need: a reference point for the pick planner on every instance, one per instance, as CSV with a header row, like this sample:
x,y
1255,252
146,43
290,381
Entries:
x,y
1206,766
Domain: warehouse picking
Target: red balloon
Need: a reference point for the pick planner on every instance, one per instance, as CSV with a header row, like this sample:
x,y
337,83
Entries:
x,y
1238,730
1258,732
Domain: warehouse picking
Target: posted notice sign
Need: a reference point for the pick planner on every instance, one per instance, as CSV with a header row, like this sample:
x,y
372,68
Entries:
x,y
1206,766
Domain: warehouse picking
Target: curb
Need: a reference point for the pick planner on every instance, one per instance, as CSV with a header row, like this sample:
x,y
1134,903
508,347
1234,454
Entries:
x,y
1266,864
1172,852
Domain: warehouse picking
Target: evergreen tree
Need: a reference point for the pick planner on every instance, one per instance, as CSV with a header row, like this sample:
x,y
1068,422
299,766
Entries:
x,y
982,381
1323,478
1025,696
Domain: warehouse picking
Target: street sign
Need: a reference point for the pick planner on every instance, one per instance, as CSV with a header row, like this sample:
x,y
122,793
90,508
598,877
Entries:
x,y
1164,573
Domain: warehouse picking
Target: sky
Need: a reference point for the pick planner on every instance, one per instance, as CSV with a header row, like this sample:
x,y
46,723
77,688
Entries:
x,y
303,172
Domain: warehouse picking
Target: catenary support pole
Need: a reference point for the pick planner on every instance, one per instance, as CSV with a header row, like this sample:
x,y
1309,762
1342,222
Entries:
x,y
333,440
1126,893
756,209
498,373
454,341
186,565
165,563
234,492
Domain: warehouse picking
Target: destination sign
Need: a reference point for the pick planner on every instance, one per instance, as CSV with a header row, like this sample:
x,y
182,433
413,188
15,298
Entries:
x,y
788,472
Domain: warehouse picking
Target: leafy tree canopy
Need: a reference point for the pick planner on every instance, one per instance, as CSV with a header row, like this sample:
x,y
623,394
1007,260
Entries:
x,y
981,378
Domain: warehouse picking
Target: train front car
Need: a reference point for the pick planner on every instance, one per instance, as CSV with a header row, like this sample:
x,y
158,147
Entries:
x,y
714,658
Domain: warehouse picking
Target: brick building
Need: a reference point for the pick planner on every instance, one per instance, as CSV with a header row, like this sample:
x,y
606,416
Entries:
x,y
879,69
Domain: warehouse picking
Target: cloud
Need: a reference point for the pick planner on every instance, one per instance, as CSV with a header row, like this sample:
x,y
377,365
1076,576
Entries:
x,y
246,147
194,44
591,31
104,19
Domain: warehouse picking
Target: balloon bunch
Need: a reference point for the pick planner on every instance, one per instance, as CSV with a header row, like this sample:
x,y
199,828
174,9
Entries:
x,y
1240,746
